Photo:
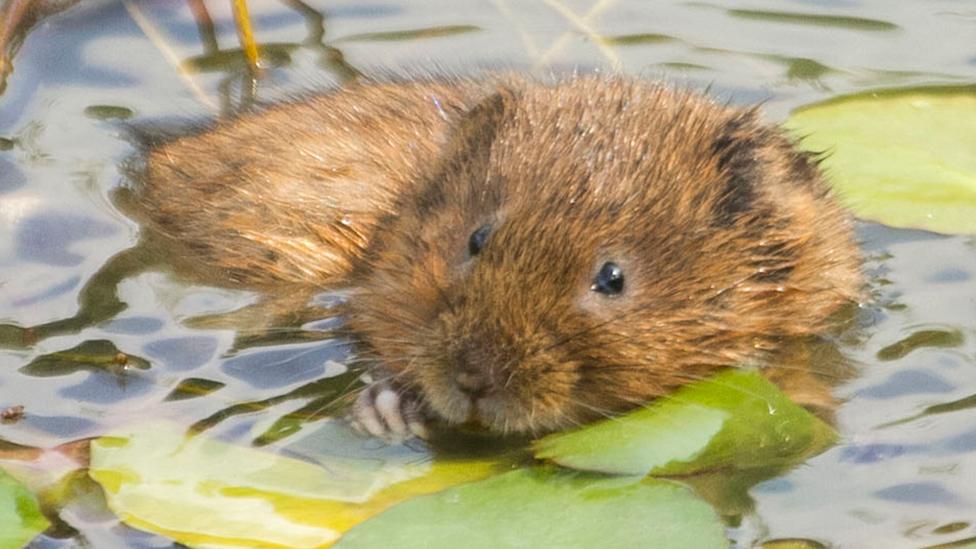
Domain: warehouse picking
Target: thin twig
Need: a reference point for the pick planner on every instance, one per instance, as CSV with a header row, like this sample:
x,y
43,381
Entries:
x,y
245,33
582,24
530,47
156,37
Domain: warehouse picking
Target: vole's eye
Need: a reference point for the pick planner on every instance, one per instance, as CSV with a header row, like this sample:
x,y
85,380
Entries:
x,y
478,239
610,279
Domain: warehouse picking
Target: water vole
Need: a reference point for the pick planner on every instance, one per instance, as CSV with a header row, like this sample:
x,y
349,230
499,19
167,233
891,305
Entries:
x,y
526,255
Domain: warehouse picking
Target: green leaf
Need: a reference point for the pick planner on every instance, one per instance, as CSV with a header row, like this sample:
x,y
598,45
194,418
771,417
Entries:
x,y
20,515
902,157
547,508
202,491
736,419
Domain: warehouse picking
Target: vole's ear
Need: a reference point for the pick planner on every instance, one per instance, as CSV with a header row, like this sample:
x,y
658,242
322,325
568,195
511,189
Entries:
x,y
469,147
465,158
751,156
737,151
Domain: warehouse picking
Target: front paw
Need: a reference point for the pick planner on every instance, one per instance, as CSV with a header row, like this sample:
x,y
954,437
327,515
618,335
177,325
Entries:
x,y
389,413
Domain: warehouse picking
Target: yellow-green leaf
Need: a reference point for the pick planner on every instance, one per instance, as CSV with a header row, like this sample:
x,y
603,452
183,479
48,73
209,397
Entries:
x,y
201,491
902,157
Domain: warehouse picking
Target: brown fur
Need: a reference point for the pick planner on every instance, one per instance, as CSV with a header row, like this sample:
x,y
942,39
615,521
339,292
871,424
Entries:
x,y
728,238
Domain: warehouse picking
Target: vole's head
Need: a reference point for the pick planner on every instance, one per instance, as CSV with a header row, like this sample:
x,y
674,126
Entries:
x,y
584,247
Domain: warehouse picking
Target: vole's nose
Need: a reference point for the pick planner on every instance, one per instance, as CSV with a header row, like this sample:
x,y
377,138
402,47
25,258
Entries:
x,y
473,374
472,382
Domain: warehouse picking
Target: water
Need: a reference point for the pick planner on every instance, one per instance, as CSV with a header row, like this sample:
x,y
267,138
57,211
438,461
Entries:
x,y
904,474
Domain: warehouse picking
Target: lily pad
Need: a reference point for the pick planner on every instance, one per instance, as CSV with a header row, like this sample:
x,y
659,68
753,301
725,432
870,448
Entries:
x,y
547,508
201,491
901,157
20,515
736,419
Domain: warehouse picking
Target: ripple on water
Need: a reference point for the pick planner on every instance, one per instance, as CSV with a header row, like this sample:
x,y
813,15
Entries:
x,y
908,382
275,368
182,353
47,237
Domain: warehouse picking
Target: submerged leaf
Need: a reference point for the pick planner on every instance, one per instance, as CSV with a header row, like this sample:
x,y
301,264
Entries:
x,y
202,491
20,515
736,419
547,508
902,157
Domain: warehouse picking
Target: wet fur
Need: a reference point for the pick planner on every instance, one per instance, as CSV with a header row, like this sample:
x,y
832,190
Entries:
x,y
729,240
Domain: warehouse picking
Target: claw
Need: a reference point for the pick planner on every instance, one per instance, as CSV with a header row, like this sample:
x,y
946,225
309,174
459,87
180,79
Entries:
x,y
388,405
383,412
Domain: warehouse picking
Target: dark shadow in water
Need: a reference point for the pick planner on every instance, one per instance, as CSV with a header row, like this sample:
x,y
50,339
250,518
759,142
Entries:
x,y
325,398
233,62
17,18
97,302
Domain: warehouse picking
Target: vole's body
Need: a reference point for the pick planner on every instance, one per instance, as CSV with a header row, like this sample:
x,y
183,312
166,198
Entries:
x,y
477,221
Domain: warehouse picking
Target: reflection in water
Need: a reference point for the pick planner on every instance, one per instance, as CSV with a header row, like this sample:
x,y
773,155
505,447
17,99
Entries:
x,y
836,21
16,19
98,301
921,339
11,178
47,237
238,70
182,353
890,474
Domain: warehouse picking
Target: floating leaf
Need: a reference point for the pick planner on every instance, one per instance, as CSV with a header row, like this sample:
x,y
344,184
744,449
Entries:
x,y
547,508
735,419
20,515
413,34
902,157
198,490
93,355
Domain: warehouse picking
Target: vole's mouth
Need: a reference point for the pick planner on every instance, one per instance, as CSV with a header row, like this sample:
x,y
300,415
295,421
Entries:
x,y
477,411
